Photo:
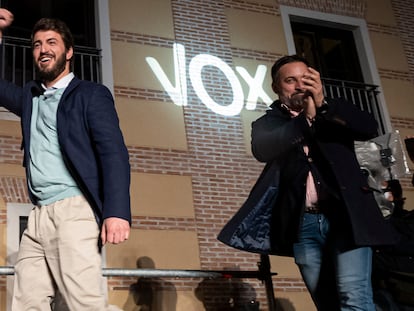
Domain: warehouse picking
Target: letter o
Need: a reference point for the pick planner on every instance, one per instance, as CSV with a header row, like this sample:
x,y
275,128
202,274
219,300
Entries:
x,y
195,68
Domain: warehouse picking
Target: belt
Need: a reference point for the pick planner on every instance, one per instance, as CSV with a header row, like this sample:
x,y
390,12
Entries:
x,y
312,209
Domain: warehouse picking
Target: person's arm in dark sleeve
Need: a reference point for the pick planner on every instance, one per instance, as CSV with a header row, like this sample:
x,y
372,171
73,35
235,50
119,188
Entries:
x,y
342,116
273,136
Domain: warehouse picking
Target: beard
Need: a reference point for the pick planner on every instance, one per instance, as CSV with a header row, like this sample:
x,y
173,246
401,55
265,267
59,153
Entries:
x,y
50,74
296,102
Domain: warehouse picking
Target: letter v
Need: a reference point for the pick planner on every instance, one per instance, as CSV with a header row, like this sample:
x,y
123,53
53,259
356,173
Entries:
x,y
177,93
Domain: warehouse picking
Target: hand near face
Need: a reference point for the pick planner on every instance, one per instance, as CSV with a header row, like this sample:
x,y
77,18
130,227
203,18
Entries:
x,y
313,85
6,18
299,88
310,107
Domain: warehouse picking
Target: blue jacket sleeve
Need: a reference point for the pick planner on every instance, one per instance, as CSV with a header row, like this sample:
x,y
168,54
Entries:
x,y
112,154
11,97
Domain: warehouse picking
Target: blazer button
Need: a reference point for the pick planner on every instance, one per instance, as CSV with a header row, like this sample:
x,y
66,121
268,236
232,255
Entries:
x,y
310,160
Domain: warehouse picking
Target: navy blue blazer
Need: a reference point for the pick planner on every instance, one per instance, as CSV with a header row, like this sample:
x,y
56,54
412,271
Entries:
x,y
90,139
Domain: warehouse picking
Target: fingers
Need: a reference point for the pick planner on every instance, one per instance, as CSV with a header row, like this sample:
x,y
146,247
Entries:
x,y
117,237
6,18
312,78
115,230
312,83
313,71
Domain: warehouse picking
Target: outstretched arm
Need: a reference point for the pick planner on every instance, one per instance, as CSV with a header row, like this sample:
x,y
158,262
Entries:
x,y
6,18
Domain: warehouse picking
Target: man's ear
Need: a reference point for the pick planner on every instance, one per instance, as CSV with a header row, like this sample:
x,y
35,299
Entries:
x,y
275,88
69,54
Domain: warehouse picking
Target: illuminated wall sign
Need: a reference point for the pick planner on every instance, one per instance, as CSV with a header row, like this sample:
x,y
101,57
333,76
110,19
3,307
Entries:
x,y
178,92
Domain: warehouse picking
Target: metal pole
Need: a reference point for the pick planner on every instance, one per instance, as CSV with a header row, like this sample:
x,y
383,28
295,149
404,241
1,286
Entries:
x,y
159,273
264,274
6,270
266,277
9,270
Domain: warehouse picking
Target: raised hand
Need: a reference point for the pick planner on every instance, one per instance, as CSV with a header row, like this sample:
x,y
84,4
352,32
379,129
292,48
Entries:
x,y
6,18
313,85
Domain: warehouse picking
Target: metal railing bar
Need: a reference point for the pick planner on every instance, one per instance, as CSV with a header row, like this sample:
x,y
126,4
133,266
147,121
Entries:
x,y
19,67
263,274
160,273
174,273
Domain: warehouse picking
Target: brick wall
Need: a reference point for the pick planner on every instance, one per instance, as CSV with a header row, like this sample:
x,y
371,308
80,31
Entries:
x,y
216,160
222,173
403,12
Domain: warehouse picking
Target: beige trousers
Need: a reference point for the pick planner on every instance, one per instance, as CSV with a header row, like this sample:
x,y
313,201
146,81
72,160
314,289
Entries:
x,y
59,250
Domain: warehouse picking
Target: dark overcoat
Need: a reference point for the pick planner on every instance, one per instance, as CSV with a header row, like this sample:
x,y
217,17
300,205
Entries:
x,y
90,139
267,225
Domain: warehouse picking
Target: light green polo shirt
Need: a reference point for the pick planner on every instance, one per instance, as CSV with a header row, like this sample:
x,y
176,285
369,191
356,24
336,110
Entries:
x,y
49,179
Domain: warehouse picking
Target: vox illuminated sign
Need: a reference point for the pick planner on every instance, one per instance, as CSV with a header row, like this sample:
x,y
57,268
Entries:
x,y
178,91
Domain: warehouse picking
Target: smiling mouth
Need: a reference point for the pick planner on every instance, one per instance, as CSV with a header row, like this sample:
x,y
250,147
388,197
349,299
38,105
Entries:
x,y
45,59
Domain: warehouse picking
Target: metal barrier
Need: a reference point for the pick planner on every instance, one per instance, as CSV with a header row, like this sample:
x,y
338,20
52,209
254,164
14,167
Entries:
x,y
362,95
263,274
17,61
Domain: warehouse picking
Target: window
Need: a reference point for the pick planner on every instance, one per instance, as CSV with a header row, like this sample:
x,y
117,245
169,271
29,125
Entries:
x,y
332,50
340,47
16,63
78,14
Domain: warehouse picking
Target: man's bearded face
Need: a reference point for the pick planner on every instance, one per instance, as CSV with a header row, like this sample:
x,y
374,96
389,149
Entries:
x,y
50,73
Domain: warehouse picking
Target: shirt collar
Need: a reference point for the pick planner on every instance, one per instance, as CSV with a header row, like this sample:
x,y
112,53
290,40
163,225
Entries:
x,y
61,83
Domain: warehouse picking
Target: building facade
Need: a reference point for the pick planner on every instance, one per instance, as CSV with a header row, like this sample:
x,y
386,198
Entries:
x,y
188,78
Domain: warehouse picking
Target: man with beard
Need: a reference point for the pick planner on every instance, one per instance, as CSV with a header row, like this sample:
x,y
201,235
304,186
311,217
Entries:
x,y
312,201
78,176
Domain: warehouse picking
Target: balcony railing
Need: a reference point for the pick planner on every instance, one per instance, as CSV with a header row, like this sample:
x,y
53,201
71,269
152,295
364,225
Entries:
x,y
364,96
17,66
17,62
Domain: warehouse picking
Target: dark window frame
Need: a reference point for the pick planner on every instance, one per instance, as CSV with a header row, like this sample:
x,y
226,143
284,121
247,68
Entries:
x,y
330,49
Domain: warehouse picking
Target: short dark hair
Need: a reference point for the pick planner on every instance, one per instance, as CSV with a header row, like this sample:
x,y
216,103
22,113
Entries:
x,y
283,61
56,25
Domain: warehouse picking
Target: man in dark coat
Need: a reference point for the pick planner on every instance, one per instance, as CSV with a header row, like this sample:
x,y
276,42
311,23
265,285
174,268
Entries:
x,y
78,177
312,200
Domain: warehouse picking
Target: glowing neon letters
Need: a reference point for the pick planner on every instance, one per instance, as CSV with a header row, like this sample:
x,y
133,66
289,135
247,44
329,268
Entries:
x,y
178,92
